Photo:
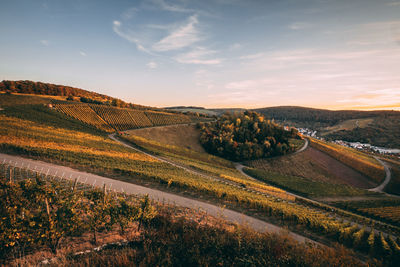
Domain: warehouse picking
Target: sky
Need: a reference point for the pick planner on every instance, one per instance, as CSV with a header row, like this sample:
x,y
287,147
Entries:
x,y
335,54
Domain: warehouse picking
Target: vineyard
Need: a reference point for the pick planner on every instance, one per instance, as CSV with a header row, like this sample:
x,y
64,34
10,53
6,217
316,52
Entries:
x,y
84,114
305,186
357,160
40,138
107,118
387,210
162,118
90,210
278,204
42,212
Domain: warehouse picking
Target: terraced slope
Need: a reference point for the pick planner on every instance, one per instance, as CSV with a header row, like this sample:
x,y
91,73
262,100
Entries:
x,y
111,119
163,118
85,114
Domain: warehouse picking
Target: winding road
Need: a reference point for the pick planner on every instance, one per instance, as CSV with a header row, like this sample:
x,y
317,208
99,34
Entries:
x,y
387,177
161,196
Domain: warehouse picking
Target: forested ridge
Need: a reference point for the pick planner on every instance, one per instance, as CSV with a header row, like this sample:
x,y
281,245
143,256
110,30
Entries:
x,y
73,93
331,117
39,88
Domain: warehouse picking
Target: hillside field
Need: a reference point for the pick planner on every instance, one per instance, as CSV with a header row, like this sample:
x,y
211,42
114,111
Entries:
x,y
179,165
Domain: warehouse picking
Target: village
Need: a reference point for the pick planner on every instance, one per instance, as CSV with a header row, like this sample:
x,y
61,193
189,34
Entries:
x,y
356,145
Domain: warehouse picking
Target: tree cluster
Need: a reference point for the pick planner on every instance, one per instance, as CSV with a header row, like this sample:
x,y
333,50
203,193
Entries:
x,y
245,136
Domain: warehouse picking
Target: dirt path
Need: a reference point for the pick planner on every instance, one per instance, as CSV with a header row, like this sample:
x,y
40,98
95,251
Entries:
x,y
119,186
170,162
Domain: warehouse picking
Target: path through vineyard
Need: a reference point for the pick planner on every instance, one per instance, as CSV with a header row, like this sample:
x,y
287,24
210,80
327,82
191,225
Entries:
x,y
239,167
99,181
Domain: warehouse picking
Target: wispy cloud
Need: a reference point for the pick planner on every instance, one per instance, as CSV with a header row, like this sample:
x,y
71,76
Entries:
x,y
181,37
393,3
235,46
152,65
171,7
252,56
129,36
44,42
199,55
82,53
300,25
375,33
129,13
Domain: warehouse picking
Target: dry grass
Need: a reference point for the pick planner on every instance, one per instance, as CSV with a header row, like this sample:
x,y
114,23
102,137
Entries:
x,y
186,136
302,165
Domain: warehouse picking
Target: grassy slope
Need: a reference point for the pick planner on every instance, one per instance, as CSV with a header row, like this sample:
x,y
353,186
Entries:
x,y
188,136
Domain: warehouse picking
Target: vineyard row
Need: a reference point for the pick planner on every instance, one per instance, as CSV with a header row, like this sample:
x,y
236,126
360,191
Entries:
x,y
109,119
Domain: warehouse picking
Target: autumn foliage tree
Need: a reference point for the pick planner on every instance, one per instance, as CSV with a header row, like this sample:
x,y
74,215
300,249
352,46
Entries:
x,y
245,136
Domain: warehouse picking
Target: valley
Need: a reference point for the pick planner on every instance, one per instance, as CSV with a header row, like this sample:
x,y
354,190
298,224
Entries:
x,y
303,192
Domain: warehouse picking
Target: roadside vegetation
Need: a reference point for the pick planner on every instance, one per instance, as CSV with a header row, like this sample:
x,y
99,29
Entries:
x,y
41,215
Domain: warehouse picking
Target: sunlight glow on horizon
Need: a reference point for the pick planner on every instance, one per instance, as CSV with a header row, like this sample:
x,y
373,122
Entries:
x,y
249,54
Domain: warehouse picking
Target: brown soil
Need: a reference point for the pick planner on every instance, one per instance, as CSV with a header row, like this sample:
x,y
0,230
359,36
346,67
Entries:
x,y
316,165
342,172
186,136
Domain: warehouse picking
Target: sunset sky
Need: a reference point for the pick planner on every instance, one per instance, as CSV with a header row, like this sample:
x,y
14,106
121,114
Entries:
x,y
335,54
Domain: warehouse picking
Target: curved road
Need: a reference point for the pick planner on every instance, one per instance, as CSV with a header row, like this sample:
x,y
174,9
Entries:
x,y
387,177
161,196
240,167
304,147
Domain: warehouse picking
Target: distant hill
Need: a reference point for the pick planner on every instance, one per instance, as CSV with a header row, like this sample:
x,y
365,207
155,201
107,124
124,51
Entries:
x,y
380,128
184,107
329,117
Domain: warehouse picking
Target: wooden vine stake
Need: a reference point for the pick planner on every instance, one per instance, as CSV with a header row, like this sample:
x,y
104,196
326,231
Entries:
x,y
104,193
11,173
74,186
47,207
